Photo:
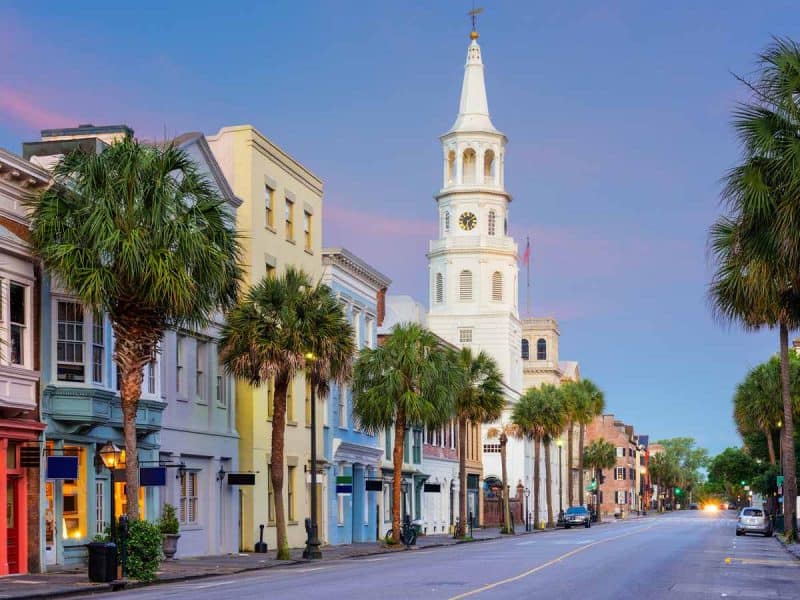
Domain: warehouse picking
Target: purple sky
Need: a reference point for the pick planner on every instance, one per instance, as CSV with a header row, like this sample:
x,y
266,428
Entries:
x,y
617,116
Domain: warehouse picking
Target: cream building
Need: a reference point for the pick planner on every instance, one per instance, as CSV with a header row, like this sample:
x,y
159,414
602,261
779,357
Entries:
x,y
280,223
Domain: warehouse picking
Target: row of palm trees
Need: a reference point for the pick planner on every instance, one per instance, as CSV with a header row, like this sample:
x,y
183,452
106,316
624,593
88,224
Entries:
x,y
755,244
543,414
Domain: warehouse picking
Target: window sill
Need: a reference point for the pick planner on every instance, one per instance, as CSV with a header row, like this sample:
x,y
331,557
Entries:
x,y
193,527
292,523
222,406
308,251
201,401
270,523
271,228
291,241
181,399
291,423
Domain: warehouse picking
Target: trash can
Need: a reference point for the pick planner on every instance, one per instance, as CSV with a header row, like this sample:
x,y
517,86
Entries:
x,y
779,526
102,561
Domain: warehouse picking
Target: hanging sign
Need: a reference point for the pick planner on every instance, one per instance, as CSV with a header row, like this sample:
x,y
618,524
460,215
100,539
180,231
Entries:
x,y
344,484
152,476
241,478
432,487
62,467
373,485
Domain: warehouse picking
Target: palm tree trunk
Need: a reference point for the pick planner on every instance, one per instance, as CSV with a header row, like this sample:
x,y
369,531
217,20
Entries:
x,y
598,477
787,441
770,445
506,489
462,477
570,452
276,463
397,460
580,456
536,470
548,484
130,390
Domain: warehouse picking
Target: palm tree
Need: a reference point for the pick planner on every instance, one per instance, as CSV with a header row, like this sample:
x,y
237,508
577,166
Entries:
x,y
570,391
407,382
138,233
666,473
756,246
502,433
541,415
599,455
481,400
589,403
757,403
284,325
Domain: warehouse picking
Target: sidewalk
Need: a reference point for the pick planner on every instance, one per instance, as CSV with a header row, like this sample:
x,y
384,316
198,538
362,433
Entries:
x,y
74,581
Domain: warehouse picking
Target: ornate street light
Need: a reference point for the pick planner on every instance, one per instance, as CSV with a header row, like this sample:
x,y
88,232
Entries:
x,y
560,444
312,550
113,457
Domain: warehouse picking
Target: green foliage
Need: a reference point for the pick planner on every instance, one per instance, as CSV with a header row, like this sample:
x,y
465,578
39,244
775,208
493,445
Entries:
x,y
168,523
144,550
480,398
685,461
600,454
732,465
765,482
540,413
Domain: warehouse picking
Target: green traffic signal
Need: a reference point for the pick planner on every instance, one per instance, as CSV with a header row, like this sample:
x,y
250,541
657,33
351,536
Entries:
x,y
678,491
744,483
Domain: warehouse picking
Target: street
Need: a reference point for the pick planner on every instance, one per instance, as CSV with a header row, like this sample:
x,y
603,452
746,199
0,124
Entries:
x,y
690,554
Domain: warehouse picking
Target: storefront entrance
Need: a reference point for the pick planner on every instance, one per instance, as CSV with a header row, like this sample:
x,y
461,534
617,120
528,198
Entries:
x,y
12,524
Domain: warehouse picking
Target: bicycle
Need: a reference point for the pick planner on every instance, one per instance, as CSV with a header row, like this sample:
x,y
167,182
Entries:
x,y
408,533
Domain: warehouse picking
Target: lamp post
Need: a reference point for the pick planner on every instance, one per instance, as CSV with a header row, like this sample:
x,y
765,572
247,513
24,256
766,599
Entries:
x,y
112,458
312,550
527,514
560,444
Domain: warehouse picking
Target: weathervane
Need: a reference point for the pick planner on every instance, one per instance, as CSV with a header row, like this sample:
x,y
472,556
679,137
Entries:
x,y
474,14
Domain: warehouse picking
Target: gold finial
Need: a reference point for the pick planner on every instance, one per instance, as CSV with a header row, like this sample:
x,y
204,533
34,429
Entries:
x,y
474,14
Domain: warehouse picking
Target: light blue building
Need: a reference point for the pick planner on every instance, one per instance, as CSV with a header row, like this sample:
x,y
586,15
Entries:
x,y
350,453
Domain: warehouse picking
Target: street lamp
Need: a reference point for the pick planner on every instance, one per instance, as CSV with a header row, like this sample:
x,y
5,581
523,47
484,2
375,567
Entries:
x,y
560,444
113,457
312,550
527,514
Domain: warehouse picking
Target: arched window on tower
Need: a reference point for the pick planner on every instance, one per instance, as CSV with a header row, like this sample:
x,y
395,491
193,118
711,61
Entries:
x,y
541,349
526,349
468,166
439,289
488,167
497,286
451,166
492,221
465,285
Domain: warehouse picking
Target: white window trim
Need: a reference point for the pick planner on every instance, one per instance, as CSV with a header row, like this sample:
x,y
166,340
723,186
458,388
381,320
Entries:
x,y
27,338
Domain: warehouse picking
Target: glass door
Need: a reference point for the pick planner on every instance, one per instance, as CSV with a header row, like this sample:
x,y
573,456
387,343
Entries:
x,y
50,533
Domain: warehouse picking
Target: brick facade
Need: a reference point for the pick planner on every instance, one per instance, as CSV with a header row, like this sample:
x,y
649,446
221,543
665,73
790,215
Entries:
x,y
618,491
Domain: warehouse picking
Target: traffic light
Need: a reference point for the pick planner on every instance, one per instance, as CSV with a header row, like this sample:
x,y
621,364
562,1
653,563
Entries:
x,y
743,482
678,491
593,485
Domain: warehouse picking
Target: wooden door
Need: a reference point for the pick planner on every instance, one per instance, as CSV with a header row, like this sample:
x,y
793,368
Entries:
x,y
12,525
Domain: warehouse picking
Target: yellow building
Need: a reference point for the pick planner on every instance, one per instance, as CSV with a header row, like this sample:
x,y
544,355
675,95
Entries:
x,y
280,221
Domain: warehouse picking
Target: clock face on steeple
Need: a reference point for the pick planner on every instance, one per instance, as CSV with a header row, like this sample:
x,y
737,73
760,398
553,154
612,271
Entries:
x,y
467,221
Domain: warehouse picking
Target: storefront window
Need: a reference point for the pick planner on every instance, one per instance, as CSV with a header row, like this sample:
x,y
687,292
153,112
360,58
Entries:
x,y
74,498
121,500
11,455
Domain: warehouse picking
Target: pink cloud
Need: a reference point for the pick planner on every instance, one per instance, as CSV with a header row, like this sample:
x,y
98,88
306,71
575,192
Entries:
x,y
21,108
364,223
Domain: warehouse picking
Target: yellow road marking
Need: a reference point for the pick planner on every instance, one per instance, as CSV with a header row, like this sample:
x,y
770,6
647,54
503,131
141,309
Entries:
x,y
545,565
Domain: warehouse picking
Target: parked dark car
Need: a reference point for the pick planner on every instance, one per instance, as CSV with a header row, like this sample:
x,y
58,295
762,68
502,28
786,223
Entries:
x,y
754,520
577,515
694,506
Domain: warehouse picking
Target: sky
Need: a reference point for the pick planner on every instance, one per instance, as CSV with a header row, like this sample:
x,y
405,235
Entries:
x,y
617,114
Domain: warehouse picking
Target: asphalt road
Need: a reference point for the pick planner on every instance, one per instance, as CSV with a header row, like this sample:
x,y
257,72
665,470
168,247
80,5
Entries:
x,y
687,555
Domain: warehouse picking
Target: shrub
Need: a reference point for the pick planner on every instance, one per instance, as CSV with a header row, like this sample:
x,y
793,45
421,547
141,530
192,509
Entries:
x,y
168,523
144,550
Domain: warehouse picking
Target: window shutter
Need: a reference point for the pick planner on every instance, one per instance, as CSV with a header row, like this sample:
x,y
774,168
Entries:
x,y
465,285
497,286
439,298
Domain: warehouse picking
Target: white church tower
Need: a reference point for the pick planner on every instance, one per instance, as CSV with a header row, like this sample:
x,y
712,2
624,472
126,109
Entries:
x,y
473,264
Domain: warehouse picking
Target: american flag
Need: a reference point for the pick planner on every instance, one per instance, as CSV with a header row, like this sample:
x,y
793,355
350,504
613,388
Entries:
x,y
526,256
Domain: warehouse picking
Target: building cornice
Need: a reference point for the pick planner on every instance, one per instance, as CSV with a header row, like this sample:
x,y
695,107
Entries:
x,y
354,266
471,191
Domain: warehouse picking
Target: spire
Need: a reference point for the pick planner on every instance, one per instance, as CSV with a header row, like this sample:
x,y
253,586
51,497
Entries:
x,y
473,110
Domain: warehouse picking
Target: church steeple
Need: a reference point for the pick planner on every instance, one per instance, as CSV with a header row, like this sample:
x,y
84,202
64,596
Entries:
x,y
473,109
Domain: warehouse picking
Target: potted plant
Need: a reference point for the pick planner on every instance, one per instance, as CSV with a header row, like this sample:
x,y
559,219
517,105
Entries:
x,y
169,526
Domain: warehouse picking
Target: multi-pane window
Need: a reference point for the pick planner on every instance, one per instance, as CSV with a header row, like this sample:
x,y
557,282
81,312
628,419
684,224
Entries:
x,y
289,218
526,352
200,371
69,342
343,406
417,446
222,386
465,285
307,229
541,349
179,352
620,452
290,401
151,377
465,336
619,473
269,207
100,507
492,222
439,287
188,498
270,497
491,448
97,348
497,286
621,497
290,495
17,316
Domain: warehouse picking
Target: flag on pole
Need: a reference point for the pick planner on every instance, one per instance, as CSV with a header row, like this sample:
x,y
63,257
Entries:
x,y
526,256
